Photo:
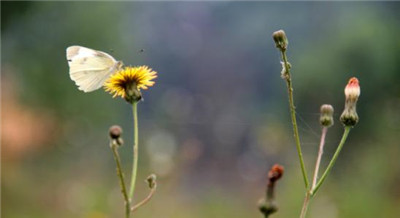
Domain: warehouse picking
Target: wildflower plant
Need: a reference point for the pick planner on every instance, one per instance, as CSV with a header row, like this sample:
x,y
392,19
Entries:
x,y
127,83
90,70
349,119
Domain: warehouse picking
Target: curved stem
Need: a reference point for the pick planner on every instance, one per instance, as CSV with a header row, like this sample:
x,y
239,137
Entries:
x,y
293,116
144,201
332,162
135,150
120,175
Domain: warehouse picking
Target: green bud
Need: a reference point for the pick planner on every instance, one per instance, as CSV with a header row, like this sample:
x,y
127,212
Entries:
x,y
132,93
326,117
280,39
151,180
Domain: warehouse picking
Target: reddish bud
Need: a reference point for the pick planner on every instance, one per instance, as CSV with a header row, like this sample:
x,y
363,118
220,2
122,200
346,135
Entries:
x,y
275,173
115,131
352,91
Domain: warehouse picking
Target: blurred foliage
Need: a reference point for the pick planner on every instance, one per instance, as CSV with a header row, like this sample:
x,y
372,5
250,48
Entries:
x,y
217,118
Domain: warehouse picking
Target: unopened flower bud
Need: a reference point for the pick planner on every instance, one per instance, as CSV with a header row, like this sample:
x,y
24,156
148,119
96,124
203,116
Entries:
x,y
275,173
352,90
115,131
115,134
349,116
280,39
151,180
326,117
267,208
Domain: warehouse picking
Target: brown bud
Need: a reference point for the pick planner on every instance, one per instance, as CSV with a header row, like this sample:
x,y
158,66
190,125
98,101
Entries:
x,y
280,39
275,173
115,131
151,180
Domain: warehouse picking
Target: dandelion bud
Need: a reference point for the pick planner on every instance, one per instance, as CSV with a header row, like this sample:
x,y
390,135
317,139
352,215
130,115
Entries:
x,y
352,90
115,134
151,180
115,131
267,208
280,39
349,116
326,118
275,173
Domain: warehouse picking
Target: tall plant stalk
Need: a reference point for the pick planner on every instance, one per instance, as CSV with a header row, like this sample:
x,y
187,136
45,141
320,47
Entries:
x,y
289,85
135,150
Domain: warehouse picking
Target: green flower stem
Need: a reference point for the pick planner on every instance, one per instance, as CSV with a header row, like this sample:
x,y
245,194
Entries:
x,y
135,149
332,162
114,148
293,116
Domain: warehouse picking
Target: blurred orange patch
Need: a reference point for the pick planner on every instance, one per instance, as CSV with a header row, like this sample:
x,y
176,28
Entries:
x,y
23,130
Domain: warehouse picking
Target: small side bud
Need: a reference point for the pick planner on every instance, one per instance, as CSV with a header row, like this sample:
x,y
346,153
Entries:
x,y
151,180
352,91
326,117
280,39
115,132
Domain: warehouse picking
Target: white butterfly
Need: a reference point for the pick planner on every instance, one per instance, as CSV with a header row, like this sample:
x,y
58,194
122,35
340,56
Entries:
x,y
89,69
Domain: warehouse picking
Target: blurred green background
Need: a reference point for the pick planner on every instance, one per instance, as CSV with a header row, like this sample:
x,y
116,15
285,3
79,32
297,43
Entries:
x,y
217,118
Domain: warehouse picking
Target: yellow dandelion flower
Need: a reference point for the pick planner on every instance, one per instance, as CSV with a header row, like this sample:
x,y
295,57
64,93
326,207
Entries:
x,y
128,82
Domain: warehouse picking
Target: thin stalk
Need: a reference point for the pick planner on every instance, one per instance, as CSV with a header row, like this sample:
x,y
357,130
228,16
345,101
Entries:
x,y
320,152
308,196
332,162
120,175
305,205
144,201
135,150
293,116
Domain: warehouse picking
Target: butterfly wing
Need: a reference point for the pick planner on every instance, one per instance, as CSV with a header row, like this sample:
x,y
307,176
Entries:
x,y
88,68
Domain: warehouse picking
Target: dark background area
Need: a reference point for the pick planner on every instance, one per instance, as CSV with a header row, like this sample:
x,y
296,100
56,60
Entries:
x,y
217,118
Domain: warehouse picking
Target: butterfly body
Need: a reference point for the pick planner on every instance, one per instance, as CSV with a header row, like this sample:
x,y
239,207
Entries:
x,y
89,69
